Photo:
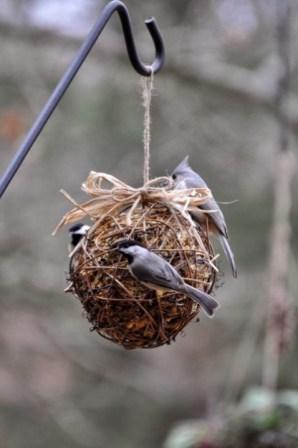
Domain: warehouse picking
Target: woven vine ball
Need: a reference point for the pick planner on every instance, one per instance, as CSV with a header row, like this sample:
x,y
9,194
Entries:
x,y
120,308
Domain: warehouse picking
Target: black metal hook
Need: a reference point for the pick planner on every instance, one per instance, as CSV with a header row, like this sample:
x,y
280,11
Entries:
x,y
74,67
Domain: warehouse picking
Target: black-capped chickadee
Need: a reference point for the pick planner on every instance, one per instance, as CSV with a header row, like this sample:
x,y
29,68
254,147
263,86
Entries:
x,y
77,232
185,177
156,273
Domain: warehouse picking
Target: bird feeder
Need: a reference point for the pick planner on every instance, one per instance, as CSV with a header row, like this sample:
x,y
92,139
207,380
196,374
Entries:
x,y
119,307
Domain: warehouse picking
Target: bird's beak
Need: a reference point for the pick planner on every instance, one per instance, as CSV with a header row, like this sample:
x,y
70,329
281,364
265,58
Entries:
x,y
115,245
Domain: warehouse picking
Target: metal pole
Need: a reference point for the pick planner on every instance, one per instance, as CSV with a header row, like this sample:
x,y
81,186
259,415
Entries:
x,y
74,67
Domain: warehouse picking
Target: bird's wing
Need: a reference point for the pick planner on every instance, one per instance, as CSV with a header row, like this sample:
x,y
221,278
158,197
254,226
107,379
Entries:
x,y
217,217
157,271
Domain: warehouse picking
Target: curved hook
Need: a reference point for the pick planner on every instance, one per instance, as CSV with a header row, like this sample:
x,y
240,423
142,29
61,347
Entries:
x,y
74,67
154,31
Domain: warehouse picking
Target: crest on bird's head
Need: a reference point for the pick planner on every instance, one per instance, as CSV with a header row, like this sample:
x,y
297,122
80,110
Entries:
x,y
182,167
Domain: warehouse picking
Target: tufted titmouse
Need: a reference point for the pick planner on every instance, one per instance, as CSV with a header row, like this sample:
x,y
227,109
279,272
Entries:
x,y
185,177
156,273
77,232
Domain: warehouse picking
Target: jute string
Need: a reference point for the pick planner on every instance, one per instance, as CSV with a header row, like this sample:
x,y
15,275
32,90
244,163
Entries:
x,y
110,196
147,84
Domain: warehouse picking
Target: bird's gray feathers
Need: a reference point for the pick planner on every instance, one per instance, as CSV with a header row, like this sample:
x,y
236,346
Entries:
x,y
185,177
217,216
154,272
205,300
228,253
157,273
188,178
184,165
161,273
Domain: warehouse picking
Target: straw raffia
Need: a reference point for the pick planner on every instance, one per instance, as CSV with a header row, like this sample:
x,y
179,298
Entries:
x,y
121,196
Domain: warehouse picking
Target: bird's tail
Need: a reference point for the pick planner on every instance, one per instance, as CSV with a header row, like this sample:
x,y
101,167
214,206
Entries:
x,y
208,303
228,253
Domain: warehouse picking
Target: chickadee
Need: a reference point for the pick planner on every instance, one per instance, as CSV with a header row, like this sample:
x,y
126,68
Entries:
x,y
156,273
77,232
185,177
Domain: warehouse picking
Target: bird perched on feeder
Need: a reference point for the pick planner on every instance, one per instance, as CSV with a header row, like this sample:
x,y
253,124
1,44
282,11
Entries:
x,y
77,232
185,177
156,273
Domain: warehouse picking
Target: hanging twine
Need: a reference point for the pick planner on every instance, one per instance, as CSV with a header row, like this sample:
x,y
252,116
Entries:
x,y
147,84
116,196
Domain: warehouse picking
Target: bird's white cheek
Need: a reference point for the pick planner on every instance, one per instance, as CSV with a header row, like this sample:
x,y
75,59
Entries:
x,y
180,185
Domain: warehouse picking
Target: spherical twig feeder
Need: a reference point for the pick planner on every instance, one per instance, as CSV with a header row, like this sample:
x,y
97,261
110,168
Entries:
x,y
119,307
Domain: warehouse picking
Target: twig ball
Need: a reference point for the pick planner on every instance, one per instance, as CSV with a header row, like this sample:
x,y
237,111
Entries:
x,y
120,308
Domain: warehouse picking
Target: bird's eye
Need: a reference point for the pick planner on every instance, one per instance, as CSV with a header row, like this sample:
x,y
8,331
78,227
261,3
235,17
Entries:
x,y
174,176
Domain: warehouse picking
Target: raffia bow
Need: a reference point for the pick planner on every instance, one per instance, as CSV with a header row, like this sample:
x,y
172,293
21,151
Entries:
x,y
119,196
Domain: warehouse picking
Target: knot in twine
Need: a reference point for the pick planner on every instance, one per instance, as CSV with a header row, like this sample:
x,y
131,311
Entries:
x,y
120,197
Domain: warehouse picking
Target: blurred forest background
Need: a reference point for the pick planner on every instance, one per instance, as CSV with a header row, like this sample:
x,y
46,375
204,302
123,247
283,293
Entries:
x,y
217,100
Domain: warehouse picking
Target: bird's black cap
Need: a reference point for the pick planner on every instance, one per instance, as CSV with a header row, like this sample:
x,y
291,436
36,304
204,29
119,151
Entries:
x,y
124,243
75,227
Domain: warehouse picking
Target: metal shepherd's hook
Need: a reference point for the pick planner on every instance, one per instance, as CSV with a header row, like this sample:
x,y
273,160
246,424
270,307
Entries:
x,y
74,67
